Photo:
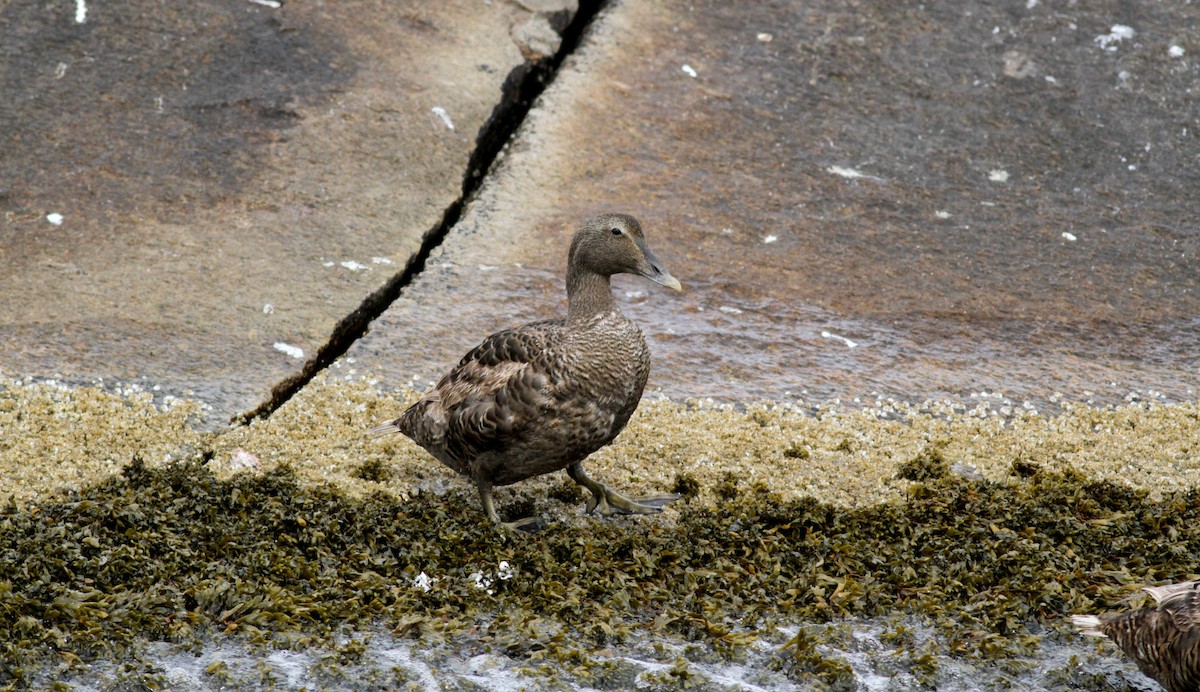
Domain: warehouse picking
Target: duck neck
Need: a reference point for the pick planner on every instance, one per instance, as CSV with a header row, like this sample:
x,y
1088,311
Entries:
x,y
588,294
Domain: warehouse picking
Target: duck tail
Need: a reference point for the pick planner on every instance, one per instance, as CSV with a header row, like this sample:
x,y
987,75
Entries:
x,y
388,427
1164,595
1088,624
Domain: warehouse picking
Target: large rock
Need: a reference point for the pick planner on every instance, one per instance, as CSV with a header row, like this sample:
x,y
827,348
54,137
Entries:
x,y
978,198
195,194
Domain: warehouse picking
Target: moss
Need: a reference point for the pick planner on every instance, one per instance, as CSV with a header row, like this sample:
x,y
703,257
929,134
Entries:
x,y
609,674
801,661
928,465
727,488
173,553
566,491
1072,676
218,672
796,451
374,470
686,485
1025,467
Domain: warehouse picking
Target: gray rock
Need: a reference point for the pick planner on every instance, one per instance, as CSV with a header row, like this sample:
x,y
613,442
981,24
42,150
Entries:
x,y
862,204
536,37
210,160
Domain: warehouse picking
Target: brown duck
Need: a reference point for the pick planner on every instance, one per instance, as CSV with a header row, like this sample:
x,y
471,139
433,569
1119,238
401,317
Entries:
x,y
543,396
1164,641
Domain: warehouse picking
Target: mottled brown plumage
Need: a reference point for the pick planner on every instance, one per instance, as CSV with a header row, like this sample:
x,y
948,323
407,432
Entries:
x,y
543,396
1164,641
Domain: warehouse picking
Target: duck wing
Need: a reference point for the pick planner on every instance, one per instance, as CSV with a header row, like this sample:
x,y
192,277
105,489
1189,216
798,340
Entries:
x,y
1181,600
486,401
499,388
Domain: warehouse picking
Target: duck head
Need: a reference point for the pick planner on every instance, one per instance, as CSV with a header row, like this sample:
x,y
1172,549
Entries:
x,y
614,244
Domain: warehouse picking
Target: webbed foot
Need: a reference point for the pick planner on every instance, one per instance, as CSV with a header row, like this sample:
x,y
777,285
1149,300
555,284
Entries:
x,y
609,502
528,524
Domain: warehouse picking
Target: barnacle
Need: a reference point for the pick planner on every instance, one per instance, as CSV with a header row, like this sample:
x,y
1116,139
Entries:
x,y
284,556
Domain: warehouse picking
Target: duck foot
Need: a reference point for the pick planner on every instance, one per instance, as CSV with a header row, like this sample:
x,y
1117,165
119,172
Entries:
x,y
528,524
609,502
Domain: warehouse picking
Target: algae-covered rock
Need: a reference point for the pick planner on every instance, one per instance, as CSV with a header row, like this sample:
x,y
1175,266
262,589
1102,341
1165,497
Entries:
x,y
172,553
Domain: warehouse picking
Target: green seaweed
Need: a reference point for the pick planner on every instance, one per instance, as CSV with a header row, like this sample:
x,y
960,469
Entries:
x,y
686,485
929,464
796,450
374,470
803,663
175,554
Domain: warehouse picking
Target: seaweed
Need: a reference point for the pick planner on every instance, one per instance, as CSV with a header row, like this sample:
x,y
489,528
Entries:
x,y
803,663
374,470
796,451
174,554
686,485
929,464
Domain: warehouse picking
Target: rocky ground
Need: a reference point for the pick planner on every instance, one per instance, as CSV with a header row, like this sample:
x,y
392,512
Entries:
x,y
930,388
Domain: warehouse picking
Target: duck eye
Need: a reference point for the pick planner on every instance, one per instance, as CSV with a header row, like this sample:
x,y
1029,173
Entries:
x,y
616,231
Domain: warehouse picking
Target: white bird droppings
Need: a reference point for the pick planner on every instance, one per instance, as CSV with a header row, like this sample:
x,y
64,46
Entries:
x,y
80,11
441,113
998,175
481,582
1069,236
941,214
424,582
55,218
1119,33
293,351
354,266
765,37
1176,51
268,309
381,260
689,70
273,4
770,239
846,172
837,337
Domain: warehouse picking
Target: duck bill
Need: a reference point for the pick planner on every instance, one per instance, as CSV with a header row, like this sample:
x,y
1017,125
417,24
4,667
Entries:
x,y
656,272
667,280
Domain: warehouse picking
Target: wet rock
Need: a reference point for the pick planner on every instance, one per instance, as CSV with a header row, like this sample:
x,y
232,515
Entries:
x,y
844,178
226,178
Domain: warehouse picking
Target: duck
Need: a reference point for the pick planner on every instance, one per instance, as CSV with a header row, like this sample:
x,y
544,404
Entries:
x,y
542,397
1164,640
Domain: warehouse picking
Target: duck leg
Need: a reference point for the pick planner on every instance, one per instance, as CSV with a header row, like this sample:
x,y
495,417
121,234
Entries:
x,y
610,502
485,498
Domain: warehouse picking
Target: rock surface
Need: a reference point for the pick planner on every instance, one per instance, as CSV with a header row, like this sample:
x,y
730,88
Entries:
x,y
229,180
915,202
941,200
990,202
